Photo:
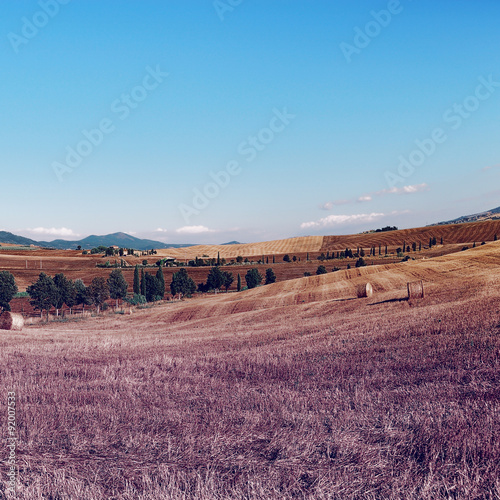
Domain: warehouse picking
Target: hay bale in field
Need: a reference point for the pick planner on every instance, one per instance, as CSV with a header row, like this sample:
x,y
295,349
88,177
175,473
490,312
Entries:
x,y
415,289
11,321
365,290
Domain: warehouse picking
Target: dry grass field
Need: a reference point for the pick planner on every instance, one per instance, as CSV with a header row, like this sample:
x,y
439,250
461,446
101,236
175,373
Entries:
x,y
290,390
26,265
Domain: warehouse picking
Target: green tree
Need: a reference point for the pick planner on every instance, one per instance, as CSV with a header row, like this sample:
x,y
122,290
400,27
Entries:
x,y
238,283
286,258
215,279
8,289
362,253
161,283
64,291
321,270
253,278
137,283
239,259
117,285
82,296
360,262
152,288
182,283
43,293
228,279
98,292
143,283
270,276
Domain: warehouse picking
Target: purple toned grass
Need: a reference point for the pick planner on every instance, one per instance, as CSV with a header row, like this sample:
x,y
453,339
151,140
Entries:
x,y
334,400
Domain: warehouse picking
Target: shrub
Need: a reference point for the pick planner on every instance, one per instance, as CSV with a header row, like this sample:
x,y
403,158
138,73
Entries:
x,y
321,270
136,299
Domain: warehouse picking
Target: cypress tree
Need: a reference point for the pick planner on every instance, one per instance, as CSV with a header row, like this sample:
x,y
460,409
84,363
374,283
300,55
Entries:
x,y
273,259
137,283
419,246
238,285
218,258
143,283
386,250
161,282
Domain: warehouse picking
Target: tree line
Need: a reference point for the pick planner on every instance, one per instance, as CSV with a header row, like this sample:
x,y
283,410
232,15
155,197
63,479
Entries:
x,y
55,292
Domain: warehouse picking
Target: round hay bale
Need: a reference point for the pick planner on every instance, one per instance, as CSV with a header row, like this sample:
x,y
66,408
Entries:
x,y
11,321
365,290
416,290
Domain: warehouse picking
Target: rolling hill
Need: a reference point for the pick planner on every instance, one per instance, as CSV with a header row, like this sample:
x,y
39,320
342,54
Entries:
x,y
119,239
487,215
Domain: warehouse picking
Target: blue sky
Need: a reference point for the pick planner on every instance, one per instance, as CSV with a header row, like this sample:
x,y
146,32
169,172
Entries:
x,y
201,121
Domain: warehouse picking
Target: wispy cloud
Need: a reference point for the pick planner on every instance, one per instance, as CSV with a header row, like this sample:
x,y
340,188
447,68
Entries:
x,y
160,230
194,230
341,220
330,204
491,167
415,188
52,231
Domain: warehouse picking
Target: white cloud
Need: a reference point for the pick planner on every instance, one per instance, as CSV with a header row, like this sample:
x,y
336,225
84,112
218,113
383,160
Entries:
x,y
194,230
339,220
369,196
415,188
330,204
52,231
160,230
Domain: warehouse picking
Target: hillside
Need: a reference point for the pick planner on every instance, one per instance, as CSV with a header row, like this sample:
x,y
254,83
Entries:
x,y
13,239
290,245
480,265
118,239
452,233
487,215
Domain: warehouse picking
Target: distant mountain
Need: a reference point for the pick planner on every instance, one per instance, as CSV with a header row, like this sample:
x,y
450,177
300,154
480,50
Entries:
x,y
119,239
13,239
232,243
488,215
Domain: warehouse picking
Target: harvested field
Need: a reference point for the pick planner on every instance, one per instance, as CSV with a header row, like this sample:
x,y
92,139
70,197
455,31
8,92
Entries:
x,y
289,390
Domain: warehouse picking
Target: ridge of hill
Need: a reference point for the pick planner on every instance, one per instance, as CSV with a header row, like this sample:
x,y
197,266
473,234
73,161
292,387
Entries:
x,y
120,239
492,214
452,233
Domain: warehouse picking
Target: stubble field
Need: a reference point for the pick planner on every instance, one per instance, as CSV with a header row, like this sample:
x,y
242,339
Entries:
x,y
292,390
